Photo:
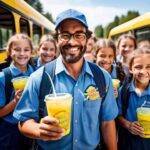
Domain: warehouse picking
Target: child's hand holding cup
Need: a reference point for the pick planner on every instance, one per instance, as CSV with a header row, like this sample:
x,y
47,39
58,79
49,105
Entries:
x,y
116,85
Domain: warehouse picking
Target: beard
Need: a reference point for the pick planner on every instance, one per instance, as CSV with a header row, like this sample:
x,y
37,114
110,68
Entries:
x,y
69,57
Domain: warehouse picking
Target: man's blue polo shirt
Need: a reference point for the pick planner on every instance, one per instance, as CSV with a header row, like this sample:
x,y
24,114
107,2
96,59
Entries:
x,y
86,113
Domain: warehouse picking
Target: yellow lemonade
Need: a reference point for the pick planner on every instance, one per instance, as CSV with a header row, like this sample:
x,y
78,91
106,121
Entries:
x,y
60,107
143,115
116,83
19,82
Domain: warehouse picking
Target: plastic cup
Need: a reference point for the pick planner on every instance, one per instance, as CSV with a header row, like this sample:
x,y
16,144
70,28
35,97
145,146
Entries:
x,y
19,82
60,107
143,115
116,83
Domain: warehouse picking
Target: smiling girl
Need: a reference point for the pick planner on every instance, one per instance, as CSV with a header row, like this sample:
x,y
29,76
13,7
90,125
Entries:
x,y
46,52
106,58
139,93
125,46
19,49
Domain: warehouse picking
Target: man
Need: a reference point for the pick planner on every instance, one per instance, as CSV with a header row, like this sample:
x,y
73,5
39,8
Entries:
x,y
72,75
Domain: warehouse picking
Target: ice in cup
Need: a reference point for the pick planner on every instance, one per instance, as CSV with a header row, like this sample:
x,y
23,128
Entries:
x,y
143,115
19,82
59,107
116,83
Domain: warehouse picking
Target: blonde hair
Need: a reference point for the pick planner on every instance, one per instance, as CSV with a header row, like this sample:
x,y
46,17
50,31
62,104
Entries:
x,y
136,54
47,38
17,37
105,43
126,36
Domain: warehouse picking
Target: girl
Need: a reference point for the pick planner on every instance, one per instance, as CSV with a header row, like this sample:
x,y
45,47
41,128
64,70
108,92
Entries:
x,y
90,49
19,49
47,51
125,46
130,132
106,58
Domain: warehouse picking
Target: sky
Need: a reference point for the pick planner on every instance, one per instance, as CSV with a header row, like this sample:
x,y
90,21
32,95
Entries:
x,y
97,12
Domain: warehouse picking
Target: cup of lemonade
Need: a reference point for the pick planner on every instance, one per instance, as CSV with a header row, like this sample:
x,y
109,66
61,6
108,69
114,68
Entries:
x,y
116,83
19,82
59,106
143,115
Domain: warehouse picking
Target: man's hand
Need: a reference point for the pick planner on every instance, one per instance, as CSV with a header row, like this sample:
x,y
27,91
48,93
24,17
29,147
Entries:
x,y
49,129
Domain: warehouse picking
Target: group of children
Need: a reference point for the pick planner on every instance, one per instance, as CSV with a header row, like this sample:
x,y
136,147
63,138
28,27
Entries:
x,y
131,65
19,50
123,62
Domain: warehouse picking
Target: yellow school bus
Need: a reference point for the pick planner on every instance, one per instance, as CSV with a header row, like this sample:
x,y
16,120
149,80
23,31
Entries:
x,y
16,16
139,27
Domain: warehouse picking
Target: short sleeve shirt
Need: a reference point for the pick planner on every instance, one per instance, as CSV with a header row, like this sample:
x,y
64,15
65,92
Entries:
x,y
15,72
135,100
86,112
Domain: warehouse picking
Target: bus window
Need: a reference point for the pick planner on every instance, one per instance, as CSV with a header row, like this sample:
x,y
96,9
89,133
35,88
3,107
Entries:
x,y
37,33
7,28
143,33
24,26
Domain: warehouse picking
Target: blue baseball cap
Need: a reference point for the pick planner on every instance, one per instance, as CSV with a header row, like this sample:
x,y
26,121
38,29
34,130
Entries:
x,y
71,14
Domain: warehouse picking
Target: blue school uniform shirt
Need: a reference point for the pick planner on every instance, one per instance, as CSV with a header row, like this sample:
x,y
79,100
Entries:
x,y
15,72
135,100
39,63
113,72
86,117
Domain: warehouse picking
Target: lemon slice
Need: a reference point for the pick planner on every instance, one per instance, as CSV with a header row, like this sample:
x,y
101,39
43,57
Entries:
x,y
63,118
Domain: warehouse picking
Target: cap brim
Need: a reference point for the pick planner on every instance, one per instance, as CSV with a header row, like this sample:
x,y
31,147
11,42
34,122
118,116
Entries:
x,y
71,18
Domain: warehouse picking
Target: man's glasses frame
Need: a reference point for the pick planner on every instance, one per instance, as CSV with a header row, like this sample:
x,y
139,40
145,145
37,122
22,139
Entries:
x,y
78,36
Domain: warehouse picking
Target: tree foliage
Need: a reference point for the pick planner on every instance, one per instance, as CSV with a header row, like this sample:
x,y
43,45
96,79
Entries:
x,y
117,21
99,31
49,16
39,7
36,4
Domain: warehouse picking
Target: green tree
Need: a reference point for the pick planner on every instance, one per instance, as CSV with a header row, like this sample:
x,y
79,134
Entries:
x,y
108,28
119,20
130,15
36,4
30,2
39,7
99,31
49,16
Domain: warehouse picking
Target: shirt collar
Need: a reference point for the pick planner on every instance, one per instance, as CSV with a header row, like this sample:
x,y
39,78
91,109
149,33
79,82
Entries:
x,y
145,92
16,71
113,72
61,68
39,63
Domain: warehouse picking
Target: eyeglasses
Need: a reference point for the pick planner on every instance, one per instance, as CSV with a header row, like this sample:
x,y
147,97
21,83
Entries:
x,y
78,36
